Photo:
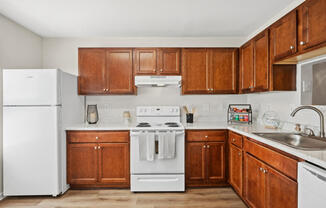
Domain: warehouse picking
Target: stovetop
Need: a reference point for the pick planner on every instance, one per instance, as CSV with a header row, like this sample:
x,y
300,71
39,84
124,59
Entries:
x,y
158,126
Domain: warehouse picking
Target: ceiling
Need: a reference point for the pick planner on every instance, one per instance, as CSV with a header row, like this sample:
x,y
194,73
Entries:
x,y
142,18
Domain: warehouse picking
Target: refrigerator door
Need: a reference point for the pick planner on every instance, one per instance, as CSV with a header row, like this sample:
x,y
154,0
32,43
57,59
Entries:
x,y
30,151
31,87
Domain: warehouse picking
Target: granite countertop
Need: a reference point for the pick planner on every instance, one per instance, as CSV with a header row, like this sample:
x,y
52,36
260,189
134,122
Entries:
x,y
316,157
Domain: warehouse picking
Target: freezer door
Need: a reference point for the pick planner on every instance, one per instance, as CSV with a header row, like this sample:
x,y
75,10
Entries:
x,y
31,87
30,151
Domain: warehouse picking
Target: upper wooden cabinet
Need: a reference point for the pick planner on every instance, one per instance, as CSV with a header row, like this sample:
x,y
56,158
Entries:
x,y
119,71
105,71
254,68
155,61
284,36
246,67
313,19
168,61
209,71
92,71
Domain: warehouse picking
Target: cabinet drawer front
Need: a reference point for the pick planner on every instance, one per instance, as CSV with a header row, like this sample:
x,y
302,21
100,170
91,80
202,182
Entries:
x,y
97,136
235,139
283,163
206,135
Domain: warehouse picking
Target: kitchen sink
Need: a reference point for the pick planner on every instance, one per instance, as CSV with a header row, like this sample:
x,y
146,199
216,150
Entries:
x,y
295,140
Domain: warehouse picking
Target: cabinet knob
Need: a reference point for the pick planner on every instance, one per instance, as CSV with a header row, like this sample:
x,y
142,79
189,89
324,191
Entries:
x,y
302,43
291,47
107,89
207,146
161,70
104,90
239,154
96,137
99,147
261,169
233,140
204,146
95,147
154,70
264,171
206,136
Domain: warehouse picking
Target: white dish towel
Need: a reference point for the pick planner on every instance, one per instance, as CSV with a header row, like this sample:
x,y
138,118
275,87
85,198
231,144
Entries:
x,y
166,144
146,146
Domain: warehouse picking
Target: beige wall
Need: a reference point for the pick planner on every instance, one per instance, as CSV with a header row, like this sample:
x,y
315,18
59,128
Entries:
x,y
19,48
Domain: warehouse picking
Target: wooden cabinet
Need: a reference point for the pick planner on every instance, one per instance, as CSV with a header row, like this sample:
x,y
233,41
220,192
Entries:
x,y
98,159
235,168
119,71
82,163
168,60
254,182
92,71
313,28
105,71
156,61
205,158
223,69
284,36
254,70
209,71
114,163
261,62
246,67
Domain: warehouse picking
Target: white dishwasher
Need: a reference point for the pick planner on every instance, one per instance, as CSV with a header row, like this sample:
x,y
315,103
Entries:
x,y
311,186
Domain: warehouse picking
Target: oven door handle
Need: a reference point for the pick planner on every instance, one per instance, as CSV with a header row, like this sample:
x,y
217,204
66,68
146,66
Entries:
x,y
136,133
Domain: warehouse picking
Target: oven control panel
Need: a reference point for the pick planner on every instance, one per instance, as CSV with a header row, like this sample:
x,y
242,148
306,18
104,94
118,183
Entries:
x,y
158,111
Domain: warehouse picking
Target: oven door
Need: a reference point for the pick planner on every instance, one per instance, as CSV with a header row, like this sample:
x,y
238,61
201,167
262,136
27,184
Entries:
x,y
157,166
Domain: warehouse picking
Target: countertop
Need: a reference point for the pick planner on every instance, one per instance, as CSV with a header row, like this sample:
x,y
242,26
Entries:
x,y
316,157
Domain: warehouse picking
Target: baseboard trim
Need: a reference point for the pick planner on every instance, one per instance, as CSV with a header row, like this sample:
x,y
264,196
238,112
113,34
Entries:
x,y
2,197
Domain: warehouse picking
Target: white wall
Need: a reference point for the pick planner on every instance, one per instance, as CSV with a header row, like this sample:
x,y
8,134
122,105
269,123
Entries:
x,y
19,48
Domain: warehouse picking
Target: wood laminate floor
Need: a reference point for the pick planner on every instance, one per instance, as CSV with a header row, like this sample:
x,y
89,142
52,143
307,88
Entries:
x,y
202,198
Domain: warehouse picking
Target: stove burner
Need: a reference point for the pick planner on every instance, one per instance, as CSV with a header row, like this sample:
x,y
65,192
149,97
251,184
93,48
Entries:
x,y
143,124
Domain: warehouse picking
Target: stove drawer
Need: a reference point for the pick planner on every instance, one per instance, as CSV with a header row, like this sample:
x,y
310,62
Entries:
x,y
159,183
206,135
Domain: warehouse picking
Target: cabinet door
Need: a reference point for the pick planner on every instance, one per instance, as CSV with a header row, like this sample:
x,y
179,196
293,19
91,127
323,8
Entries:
x,y
215,157
246,67
145,61
254,182
114,163
82,163
92,71
195,163
284,37
235,168
261,61
120,74
281,191
223,65
194,71
168,61
313,23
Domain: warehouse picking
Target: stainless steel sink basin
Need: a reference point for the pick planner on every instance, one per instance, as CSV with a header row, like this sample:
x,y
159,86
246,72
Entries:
x,y
298,141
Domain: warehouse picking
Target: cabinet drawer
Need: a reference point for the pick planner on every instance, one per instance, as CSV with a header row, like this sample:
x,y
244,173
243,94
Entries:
x,y
235,139
283,163
97,136
206,135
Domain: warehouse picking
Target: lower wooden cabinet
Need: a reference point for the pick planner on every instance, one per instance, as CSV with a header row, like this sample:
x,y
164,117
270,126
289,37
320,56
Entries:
x,y
92,163
235,168
205,158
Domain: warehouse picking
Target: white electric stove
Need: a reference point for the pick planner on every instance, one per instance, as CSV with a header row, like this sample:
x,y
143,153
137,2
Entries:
x,y
158,175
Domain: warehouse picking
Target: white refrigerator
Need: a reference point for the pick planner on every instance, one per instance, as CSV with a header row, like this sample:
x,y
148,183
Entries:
x,y
37,106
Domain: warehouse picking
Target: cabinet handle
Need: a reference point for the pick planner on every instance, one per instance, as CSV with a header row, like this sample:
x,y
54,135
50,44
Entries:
x,y
95,147
291,47
302,43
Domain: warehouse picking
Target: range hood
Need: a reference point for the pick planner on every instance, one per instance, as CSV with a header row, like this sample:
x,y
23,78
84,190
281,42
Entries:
x,y
158,81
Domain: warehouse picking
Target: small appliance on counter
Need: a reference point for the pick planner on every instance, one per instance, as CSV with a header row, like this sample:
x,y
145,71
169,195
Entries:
x,y
240,113
189,114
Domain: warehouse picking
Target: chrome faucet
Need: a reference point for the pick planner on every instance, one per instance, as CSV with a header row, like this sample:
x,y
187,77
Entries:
x,y
321,116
